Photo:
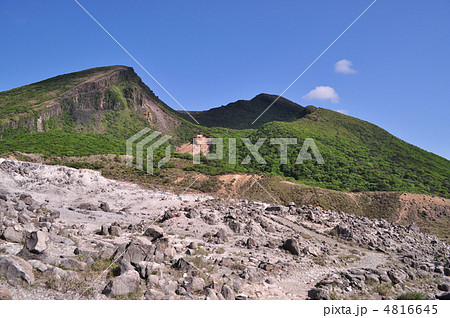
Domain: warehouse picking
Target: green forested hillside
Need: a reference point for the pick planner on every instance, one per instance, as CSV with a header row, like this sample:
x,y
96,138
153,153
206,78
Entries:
x,y
359,156
95,111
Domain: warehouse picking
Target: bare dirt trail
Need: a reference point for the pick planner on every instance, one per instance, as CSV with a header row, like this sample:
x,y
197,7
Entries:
x,y
301,282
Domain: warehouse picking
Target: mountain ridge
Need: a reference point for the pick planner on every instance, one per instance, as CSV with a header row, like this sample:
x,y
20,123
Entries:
x,y
94,111
246,111
83,101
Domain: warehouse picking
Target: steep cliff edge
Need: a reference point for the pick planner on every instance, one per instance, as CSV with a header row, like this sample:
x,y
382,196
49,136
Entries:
x,y
110,100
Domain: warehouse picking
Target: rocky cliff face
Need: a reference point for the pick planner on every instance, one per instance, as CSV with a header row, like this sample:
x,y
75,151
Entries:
x,y
86,104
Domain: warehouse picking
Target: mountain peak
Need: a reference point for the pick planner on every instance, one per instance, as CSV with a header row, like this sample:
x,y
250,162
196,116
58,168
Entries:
x,y
109,99
242,113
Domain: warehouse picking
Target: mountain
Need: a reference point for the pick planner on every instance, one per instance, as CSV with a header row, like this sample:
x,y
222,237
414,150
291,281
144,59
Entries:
x,y
359,156
96,110
241,114
109,100
92,111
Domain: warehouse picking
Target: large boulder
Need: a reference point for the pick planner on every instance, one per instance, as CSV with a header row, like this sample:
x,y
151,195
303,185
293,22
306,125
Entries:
x,y
444,287
193,284
444,296
13,234
137,250
104,206
182,265
235,226
397,276
36,242
123,285
292,246
17,269
154,232
142,249
314,251
318,294
343,232
228,293
72,264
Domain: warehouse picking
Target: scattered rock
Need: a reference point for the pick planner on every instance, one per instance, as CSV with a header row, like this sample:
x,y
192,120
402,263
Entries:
x,y
314,251
193,284
38,265
153,294
4,293
397,276
291,245
64,275
105,229
343,231
444,296
115,230
211,294
154,232
20,206
193,245
444,287
36,242
251,243
87,206
168,215
318,294
123,285
24,218
182,265
17,269
104,206
228,293
235,226
221,236
72,264
13,235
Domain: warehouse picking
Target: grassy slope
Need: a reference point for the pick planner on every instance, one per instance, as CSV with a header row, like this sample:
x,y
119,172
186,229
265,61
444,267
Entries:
x,y
105,131
29,98
359,156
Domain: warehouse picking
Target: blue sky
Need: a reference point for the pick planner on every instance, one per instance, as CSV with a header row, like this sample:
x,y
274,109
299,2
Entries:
x,y
210,53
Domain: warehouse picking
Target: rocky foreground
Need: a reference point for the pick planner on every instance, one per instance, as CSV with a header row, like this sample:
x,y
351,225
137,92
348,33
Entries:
x,y
72,234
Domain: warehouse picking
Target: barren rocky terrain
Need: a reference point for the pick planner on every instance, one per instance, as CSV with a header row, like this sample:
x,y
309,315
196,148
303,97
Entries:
x,y
73,234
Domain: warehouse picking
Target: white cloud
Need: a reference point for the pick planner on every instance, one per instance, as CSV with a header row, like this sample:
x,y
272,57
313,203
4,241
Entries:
x,y
342,111
323,93
344,66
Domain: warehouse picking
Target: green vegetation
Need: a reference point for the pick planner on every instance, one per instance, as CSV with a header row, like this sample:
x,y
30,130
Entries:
x,y
359,156
413,296
27,98
97,119
63,144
